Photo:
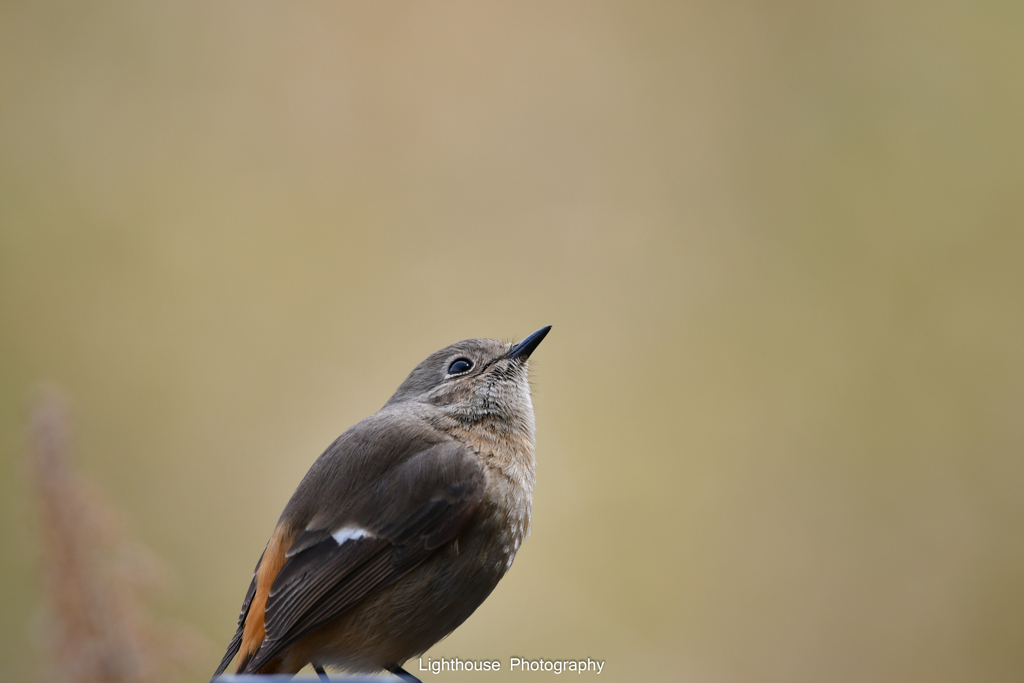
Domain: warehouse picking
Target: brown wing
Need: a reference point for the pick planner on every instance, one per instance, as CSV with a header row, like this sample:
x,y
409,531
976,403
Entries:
x,y
409,512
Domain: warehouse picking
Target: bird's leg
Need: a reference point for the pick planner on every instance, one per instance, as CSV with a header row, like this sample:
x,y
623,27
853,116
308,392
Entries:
x,y
321,673
404,675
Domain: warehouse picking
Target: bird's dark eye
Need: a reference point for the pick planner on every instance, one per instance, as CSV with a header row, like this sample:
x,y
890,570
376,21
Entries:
x,y
460,366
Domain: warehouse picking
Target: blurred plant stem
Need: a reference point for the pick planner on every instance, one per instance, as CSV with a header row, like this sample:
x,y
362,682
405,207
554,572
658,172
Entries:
x,y
97,629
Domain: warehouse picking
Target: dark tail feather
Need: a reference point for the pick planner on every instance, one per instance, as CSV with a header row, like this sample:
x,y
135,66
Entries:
x,y
230,654
236,642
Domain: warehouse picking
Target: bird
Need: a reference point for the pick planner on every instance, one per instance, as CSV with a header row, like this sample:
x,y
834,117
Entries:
x,y
403,525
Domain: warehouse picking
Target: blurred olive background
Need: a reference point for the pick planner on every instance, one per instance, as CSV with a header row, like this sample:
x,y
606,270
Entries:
x,y
781,412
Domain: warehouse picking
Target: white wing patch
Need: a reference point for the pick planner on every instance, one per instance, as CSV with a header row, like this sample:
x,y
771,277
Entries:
x,y
350,532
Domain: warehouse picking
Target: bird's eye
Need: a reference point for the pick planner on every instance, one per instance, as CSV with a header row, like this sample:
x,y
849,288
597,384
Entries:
x,y
460,366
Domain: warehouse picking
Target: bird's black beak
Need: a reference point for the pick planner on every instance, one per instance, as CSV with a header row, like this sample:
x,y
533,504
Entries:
x,y
523,349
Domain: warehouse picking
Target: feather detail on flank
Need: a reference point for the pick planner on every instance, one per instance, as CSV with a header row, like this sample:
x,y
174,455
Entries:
x,y
270,565
350,532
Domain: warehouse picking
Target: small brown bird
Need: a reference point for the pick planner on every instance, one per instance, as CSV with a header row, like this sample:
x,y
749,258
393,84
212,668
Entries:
x,y
404,525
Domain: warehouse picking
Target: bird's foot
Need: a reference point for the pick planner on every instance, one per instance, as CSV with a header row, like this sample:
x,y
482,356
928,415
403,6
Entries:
x,y
404,675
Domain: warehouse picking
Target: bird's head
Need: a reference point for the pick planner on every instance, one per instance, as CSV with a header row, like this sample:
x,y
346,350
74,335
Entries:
x,y
476,380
